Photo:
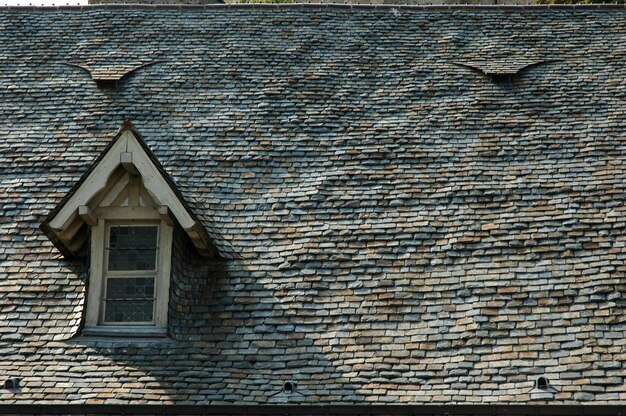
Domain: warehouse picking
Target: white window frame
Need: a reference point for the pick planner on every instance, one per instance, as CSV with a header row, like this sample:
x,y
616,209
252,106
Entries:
x,y
94,324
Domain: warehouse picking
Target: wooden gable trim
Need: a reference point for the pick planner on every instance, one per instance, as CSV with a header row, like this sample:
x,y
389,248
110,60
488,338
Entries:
x,y
132,154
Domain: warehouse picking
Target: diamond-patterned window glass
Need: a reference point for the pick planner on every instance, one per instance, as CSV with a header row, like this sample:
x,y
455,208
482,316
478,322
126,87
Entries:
x,y
129,299
132,248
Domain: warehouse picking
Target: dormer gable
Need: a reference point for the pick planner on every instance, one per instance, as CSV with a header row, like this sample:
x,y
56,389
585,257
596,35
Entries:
x,y
126,181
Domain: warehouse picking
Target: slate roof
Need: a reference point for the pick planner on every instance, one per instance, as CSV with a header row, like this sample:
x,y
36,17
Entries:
x,y
394,226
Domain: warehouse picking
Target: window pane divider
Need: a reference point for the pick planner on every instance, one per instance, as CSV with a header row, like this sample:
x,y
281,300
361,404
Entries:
x,y
134,273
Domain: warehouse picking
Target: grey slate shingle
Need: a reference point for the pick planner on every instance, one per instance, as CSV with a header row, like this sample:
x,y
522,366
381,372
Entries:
x,y
410,231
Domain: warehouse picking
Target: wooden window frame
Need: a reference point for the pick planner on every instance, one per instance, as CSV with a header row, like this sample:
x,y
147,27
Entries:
x,y
94,324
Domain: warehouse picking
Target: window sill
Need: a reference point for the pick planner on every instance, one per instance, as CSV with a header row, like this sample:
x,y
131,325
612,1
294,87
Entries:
x,y
110,331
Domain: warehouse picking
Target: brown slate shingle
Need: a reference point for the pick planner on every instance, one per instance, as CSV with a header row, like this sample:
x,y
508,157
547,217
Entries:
x,y
409,231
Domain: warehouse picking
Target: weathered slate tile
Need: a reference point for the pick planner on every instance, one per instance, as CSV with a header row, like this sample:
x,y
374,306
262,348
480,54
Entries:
x,y
394,227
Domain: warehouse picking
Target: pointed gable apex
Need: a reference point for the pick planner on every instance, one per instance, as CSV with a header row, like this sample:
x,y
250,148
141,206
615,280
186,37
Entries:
x,y
126,167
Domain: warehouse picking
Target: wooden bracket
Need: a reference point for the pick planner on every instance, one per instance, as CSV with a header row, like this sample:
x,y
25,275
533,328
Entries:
x,y
166,215
200,239
126,159
87,215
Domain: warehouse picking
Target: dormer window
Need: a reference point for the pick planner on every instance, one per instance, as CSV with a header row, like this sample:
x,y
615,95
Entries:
x,y
122,214
130,259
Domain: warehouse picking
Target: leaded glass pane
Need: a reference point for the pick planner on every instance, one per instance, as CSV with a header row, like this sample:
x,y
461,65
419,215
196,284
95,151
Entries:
x,y
130,288
132,248
129,299
124,311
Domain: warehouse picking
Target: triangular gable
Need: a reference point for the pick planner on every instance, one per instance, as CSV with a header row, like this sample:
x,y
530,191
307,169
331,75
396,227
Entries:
x,y
126,170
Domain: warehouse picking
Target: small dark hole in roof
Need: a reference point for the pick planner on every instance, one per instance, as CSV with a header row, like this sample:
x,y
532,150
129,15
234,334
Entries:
x,y
289,387
542,383
502,78
106,83
10,384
